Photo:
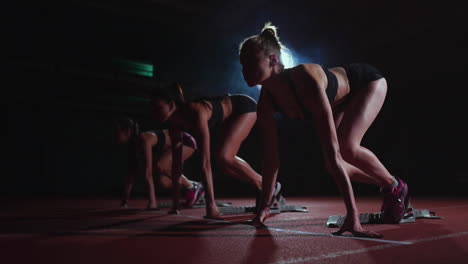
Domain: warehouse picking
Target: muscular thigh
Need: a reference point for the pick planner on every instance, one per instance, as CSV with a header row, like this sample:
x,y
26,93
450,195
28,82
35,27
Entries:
x,y
187,152
234,131
164,161
360,112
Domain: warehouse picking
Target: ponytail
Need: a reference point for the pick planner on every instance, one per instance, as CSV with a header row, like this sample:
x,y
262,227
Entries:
x,y
267,41
169,92
127,123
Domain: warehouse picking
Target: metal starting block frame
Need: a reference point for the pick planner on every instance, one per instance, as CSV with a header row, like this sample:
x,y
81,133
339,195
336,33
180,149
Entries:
x,y
277,207
377,218
198,204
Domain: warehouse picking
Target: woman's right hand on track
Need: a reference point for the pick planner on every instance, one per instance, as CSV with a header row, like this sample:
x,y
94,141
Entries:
x,y
259,219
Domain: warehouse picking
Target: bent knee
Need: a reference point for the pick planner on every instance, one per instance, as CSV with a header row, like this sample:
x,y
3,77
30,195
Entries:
x,y
225,161
161,167
165,182
349,151
379,86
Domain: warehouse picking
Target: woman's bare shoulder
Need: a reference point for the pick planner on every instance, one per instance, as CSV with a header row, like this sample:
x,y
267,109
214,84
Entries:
x,y
310,72
148,137
307,68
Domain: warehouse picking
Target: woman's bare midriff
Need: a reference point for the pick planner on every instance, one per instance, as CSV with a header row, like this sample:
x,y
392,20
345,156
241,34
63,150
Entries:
x,y
227,107
343,85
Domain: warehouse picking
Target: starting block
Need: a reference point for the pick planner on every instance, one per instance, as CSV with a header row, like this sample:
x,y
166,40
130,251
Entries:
x,y
377,218
279,206
198,204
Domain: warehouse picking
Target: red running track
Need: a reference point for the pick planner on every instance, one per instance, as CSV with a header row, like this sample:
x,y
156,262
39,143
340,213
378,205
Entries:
x,y
97,231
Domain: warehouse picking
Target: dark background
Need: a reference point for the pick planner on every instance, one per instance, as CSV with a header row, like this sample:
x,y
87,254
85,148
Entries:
x,y
63,88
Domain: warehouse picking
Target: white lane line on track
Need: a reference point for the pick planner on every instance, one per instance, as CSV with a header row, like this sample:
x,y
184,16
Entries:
x,y
364,250
313,233
449,207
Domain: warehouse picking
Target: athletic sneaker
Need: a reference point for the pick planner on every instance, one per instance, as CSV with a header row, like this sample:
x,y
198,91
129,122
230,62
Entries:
x,y
275,200
193,194
277,196
124,204
395,202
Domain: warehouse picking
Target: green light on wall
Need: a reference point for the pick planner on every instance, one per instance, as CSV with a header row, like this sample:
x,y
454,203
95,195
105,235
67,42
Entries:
x,y
141,73
135,67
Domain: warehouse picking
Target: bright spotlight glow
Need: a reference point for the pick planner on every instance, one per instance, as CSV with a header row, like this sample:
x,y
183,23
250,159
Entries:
x,y
287,59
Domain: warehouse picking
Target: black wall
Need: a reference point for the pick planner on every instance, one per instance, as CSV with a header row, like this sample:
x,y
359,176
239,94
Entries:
x,y
62,89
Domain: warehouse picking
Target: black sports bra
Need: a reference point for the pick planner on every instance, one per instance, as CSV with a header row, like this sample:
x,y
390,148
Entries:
x,y
332,89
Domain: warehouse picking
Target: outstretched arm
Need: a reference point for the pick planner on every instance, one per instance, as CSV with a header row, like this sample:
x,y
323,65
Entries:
x,y
270,155
148,141
203,136
323,117
177,167
133,165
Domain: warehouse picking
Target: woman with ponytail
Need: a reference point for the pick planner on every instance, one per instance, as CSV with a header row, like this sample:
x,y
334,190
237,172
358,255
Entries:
x,y
152,150
343,102
230,118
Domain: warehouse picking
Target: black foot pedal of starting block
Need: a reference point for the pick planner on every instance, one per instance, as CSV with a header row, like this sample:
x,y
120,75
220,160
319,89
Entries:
x,y
238,210
279,206
201,204
218,203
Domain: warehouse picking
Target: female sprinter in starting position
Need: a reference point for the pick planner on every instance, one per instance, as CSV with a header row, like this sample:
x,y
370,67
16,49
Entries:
x,y
343,102
231,116
153,149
